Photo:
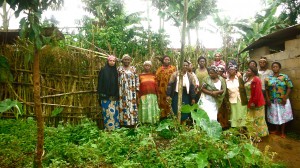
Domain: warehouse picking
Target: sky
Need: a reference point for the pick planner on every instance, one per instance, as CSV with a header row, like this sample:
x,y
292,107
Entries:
x,y
235,9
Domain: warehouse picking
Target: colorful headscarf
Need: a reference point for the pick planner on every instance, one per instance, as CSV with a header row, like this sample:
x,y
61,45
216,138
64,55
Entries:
x,y
214,68
111,57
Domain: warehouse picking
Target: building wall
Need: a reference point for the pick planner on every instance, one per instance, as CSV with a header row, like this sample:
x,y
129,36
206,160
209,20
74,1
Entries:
x,y
290,62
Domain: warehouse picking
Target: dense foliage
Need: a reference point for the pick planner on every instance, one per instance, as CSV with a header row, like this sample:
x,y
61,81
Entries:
x,y
165,145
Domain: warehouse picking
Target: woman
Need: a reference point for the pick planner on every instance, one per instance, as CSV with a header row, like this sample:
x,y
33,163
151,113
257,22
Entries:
x,y
256,102
108,92
278,89
188,90
238,111
250,64
163,75
213,92
218,60
201,73
128,88
148,107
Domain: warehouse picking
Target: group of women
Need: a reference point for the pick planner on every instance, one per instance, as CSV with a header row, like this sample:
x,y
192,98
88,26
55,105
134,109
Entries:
x,y
252,97
127,97
221,91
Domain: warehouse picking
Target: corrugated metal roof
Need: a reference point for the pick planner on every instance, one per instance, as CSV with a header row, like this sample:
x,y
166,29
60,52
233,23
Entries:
x,y
275,38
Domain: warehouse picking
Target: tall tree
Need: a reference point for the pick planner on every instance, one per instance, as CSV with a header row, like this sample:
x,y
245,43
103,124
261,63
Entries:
x,y
31,29
198,10
290,13
185,12
104,10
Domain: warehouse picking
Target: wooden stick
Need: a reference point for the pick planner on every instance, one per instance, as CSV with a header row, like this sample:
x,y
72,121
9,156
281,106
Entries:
x,y
95,52
63,94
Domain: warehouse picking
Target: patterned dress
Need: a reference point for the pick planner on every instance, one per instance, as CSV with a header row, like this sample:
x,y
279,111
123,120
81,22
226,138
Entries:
x,y
128,87
110,114
163,75
148,108
211,104
277,87
256,115
238,111
108,93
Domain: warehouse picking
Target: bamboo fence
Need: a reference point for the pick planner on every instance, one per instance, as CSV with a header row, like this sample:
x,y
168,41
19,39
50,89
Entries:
x,y
68,80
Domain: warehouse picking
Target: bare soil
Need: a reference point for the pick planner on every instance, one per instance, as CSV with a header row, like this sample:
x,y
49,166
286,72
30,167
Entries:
x,y
287,149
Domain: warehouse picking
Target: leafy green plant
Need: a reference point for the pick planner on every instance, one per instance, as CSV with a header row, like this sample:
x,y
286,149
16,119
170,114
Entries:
x,y
84,145
8,104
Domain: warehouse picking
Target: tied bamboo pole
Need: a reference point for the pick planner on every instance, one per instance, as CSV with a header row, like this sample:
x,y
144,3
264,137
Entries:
x,y
181,60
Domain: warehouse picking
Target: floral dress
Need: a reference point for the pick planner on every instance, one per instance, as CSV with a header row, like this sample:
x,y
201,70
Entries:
x,y
128,87
277,87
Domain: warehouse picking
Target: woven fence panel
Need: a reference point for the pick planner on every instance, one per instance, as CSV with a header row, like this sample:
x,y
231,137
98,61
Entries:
x,y
68,83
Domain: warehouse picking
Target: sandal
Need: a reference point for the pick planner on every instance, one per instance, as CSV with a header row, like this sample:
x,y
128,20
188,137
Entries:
x,y
283,136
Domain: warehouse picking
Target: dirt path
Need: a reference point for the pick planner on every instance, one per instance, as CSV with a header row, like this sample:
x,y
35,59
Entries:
x,y
288,149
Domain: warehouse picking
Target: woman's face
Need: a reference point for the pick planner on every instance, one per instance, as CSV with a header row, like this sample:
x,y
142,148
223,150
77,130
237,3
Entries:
x,y
252,64
112,62
275,68
262,63
126,61
249,73
185,67
201,63
166,61
147,67
218,57
213,74
231,72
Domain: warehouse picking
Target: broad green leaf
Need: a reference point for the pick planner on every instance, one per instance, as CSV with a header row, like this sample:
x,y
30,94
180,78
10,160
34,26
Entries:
x,y
56,111
232,153
202,160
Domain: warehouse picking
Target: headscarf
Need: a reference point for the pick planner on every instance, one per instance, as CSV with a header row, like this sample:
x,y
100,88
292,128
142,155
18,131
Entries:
x,y
263,59
214,68
148,62
111,57
108,81
234,67
125,56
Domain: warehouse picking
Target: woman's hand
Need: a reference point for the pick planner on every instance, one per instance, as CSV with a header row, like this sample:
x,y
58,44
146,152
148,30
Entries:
x,y
284,100
268,102
193,101
214,93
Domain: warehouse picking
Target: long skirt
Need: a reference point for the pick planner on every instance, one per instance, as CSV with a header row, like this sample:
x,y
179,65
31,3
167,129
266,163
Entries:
x,y
110,111
258,124
209,105
238,114
279,114
185,100
148,109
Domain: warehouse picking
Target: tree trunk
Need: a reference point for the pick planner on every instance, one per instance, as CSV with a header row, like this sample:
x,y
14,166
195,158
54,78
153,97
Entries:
x,y
197,35
38,109
189,36
182,59
5,20
149,29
